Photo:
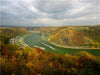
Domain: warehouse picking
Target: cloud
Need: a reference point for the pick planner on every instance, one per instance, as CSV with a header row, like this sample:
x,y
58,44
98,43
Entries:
x,y
50,12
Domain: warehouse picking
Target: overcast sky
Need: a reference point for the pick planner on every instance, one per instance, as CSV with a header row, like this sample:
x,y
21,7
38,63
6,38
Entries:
x,y
49,12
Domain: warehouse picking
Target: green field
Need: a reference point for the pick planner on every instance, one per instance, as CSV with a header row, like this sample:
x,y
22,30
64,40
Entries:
x,y
35,40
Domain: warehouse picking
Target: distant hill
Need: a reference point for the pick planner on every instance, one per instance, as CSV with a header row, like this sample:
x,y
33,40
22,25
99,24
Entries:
x,y
6,33
7,26
79,36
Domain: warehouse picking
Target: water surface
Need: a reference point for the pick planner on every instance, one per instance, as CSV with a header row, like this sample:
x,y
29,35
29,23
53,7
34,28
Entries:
x,y
35,40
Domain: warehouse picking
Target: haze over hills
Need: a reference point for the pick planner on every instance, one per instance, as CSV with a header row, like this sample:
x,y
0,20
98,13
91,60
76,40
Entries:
x,y
43,26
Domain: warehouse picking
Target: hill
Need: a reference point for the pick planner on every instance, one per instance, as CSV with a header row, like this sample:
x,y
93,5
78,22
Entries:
x,y
78,36
6,33
36,61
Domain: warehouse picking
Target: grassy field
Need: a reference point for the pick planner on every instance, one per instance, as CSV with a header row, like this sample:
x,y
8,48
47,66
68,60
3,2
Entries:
x,y
35,40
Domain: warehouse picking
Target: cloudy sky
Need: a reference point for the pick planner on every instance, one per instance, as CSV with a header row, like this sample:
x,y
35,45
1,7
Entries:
x,y
49,12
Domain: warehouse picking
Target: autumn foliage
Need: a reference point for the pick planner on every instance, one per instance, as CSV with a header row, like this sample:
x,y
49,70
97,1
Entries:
x,y
35,61
77,38
29,61
7,33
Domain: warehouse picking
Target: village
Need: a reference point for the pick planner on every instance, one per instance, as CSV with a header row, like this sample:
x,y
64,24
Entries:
x,y
18,41
14,40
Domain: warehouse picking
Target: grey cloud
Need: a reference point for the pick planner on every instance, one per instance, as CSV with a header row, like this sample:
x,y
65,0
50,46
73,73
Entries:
x,y
53,6
18,11
60,9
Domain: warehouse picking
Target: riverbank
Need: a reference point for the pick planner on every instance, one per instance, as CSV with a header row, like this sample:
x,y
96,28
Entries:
x,y
66,46
19,40
35,39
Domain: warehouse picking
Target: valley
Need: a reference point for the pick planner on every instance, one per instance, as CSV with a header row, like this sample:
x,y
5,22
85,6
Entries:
x,y
35,40
26,51
49,37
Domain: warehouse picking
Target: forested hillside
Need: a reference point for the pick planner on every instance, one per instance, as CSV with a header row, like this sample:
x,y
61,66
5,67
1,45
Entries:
x,y
36,61
77,36
7,33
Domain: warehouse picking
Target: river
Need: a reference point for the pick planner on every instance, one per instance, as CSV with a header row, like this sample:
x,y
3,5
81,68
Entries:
x,y
35,40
